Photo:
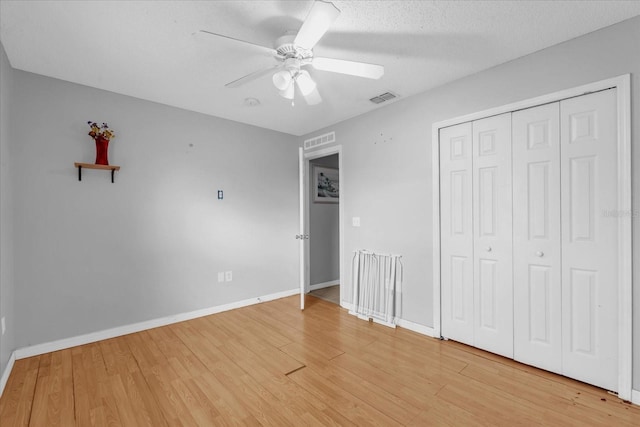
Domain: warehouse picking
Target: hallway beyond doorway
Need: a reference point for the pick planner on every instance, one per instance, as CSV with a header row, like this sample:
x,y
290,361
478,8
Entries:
x,y
330,293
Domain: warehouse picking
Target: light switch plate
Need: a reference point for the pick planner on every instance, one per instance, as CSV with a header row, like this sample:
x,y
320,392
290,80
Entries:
x,y
220,276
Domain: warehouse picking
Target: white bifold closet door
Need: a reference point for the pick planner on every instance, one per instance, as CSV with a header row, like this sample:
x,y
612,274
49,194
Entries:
x,y
476,265
589,238
565,245
492,253
529,232
456,228
537,286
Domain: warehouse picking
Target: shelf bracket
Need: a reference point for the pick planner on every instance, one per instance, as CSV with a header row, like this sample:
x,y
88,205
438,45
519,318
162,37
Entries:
x,y
111,168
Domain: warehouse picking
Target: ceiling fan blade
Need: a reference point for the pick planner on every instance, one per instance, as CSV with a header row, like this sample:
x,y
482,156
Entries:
x,y
360,69
313,98
305,82
266,49
320,18
250,77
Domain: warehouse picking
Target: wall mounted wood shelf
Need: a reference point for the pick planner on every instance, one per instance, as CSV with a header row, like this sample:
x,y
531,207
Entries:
x,y
112,168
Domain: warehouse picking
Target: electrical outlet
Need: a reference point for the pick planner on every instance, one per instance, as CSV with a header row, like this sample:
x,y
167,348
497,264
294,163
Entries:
x,y
4,326
220,276
228,276
355,221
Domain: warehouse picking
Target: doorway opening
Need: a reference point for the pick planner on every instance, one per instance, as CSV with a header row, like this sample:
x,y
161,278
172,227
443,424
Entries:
x,y
322,211
323,208
330,294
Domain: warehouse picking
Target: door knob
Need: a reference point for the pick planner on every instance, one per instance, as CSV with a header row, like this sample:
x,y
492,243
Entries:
x,y
540,254
488,248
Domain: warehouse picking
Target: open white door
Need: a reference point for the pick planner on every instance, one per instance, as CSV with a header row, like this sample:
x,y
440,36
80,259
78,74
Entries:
x,y
301,234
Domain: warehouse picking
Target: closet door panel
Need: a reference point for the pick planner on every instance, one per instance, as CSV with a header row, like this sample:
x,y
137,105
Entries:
x,y
536,237
493,281
456,233
589,238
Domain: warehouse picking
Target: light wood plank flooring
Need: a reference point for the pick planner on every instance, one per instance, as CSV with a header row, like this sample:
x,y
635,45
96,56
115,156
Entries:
x,y
270,364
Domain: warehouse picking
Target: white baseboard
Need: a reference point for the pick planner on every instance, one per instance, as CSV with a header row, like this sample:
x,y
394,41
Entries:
x,y
373,319
635,397
324,285
7,371
416,327
65,343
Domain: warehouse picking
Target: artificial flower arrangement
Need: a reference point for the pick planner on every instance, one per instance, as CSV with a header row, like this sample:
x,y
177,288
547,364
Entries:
x,y
101,131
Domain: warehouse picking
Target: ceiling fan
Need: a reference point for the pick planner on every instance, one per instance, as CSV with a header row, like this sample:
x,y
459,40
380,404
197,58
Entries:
x,y
294,50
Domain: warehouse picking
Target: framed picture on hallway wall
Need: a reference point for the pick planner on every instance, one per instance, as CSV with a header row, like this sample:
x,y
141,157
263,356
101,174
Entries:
x,y
326,185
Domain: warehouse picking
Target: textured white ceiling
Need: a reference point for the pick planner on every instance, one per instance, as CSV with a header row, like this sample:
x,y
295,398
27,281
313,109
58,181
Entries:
x,y
147,49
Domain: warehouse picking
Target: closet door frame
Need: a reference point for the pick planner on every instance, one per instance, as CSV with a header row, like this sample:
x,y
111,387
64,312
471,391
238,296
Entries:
x,y
624,208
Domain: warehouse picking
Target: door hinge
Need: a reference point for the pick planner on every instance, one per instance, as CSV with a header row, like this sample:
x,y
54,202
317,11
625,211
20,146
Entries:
x,y
302,236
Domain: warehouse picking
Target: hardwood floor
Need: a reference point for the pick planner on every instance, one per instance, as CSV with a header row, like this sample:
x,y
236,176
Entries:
x,y
270,364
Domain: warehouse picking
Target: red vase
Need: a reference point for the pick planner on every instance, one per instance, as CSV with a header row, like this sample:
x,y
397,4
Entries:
x,y
102,147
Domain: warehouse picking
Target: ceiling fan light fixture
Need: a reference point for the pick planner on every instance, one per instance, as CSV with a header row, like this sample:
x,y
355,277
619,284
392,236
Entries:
x,y
288,92
305,83
282,79
313,98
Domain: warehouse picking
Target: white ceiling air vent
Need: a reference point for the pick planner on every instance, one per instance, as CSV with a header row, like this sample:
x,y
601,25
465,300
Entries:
x,y
383,97
326,138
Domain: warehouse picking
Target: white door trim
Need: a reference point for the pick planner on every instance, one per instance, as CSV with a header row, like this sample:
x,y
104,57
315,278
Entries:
x,y
625,303
336,149
302,225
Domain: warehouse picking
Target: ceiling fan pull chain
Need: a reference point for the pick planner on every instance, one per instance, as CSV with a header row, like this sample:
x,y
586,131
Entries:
x,y
293,94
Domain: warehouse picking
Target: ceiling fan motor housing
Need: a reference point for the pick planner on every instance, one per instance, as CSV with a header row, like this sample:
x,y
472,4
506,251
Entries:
x,y
287,49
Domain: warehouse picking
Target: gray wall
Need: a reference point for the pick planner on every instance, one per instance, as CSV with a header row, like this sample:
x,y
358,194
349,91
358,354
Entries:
x,y
392,147
93,255
324,232
6,217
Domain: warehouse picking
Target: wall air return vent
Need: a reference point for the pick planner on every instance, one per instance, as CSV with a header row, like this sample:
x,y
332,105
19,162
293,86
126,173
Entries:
x,y
383,97
317,141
